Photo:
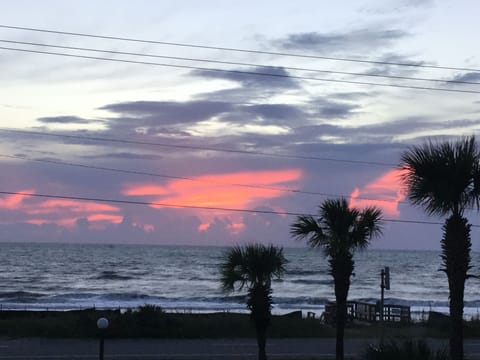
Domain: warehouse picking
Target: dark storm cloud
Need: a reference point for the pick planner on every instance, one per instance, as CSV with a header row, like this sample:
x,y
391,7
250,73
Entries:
x,y
169,112
353,41
66,120
273,77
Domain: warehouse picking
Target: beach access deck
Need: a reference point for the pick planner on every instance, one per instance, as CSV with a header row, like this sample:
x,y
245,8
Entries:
x,y
369,312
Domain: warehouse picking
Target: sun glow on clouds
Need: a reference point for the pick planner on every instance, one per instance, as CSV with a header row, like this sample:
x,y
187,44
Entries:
x,y
386,188
14,201
218,191
62,212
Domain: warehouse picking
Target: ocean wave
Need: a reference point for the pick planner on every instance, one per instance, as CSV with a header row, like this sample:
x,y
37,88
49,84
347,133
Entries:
x,y
20,296
303,272
112,275
300,300
312,281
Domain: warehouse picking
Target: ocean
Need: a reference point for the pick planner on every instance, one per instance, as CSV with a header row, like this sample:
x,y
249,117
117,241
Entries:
x,y
186,279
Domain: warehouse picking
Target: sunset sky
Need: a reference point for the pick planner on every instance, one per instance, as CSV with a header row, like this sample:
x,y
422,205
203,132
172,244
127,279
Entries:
x,y
192,155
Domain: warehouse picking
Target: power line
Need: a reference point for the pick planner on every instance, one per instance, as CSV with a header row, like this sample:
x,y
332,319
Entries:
x,y
241,63
182,206
193,147
238,49
134,172
250,73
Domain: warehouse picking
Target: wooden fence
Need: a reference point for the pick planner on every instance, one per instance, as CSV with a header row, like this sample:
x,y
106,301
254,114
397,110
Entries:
x,y
369,312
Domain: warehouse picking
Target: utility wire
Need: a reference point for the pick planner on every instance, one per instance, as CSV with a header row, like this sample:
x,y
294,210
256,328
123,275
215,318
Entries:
x,y
253,73
238,49
134,172
193,147
182,206
240,63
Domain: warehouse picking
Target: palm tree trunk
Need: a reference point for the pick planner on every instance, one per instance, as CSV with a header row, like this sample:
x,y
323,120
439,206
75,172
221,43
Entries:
x,y
342,268
259,302
456,247
261,342
341,314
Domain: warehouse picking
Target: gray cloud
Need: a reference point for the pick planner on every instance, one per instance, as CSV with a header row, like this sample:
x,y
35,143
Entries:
x,y
256,78
353,41
469,76
66,120
276,111
167,112
123,156
395,6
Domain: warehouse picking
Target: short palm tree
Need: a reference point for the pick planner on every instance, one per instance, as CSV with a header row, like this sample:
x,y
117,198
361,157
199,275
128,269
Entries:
x,y
339,231
253,266
444,179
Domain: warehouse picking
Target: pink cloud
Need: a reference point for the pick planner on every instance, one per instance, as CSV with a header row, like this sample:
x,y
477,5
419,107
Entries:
x,y
385,192
218,191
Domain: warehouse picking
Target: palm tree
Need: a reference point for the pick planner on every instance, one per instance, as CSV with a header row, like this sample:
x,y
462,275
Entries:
x,y
339,231
444,179
253,267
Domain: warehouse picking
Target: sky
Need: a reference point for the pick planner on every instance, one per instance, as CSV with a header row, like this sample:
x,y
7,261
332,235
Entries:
x,y
197,145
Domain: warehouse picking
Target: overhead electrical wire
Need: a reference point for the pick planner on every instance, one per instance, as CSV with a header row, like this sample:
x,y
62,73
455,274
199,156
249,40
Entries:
x,y
135,172
214,149
443,81
193,147
198,46
242,72
183,206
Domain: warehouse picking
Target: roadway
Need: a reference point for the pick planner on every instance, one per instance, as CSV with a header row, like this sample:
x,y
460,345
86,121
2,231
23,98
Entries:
x,y
196,349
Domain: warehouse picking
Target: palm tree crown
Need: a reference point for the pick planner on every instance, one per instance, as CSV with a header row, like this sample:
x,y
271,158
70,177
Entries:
x,y
254,264
443,178
339,227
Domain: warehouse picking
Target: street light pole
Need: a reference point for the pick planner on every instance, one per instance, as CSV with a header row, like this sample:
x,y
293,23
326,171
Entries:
x,y
102,325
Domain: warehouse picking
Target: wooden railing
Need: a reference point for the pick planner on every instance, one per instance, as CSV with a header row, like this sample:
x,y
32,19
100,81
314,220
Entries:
x,y
369,312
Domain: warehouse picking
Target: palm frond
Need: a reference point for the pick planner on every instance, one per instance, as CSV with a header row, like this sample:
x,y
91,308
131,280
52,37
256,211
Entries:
x,y
369,225
442,177
340,228
233,269
306,227
250,265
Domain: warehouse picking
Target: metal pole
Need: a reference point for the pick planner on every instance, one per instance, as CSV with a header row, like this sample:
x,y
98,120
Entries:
x,y
100,353
382,298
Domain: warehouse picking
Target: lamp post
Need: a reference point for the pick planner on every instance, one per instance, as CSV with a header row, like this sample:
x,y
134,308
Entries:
x,y
102,325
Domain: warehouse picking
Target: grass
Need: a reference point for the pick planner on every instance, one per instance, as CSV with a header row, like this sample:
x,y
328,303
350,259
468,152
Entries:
x,y
152,322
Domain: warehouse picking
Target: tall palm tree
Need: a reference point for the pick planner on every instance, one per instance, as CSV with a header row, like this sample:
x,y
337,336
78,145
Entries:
x,y
339,231
444,179
253,267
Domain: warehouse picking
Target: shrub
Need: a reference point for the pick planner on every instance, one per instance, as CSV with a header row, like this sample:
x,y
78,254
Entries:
x,y
411,350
